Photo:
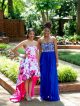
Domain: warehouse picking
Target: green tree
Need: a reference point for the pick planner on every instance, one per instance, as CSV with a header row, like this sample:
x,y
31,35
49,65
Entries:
x,y
45,7
78,16
68,7
2,5
19,8
10,8
32,18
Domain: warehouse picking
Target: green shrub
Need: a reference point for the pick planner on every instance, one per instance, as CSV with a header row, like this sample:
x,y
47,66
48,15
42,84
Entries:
x,y
66,74
59,38
4,46
9,68
78,38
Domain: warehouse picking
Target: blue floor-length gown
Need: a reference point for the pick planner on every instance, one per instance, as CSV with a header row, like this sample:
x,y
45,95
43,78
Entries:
x,y
49,79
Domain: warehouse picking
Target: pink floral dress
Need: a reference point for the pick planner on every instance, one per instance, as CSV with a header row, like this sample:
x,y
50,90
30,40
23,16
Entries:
x,y
28,69
29,66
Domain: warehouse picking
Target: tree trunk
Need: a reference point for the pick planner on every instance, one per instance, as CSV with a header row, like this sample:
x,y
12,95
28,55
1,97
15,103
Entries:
x,y
47,16
43,17
2,6
78,16
10,8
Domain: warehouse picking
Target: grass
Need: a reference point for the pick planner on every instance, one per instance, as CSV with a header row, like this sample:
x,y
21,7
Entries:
x,y
71,57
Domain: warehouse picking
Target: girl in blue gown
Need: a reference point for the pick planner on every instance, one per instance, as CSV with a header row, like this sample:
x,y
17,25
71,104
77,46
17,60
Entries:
x,y
48,66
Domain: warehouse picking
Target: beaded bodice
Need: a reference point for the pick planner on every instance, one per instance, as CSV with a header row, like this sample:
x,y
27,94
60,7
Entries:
x,y
47,47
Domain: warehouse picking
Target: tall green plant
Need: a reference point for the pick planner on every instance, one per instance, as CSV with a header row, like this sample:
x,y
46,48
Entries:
x,y
13,8
68,7
45,7
3,5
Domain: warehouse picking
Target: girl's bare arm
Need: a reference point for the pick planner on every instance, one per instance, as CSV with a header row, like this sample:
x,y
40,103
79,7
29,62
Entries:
x,y
39,47
56,51
14,50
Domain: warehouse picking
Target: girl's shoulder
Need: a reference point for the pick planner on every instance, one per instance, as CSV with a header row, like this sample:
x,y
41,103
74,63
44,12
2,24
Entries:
x,y
35,42
53,38
40,39
25,42
28,41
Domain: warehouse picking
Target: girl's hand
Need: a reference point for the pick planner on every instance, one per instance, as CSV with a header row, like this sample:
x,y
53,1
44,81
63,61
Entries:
x,y
23,55
12,51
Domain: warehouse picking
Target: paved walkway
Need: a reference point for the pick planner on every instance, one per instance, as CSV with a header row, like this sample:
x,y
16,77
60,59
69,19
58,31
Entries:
x,y
72,50
67,99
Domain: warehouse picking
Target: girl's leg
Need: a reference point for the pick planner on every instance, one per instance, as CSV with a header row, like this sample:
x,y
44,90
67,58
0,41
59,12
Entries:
x,y
26,87
30,87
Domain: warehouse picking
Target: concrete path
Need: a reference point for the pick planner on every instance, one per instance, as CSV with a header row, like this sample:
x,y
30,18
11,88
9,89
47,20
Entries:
x,y
72,50
67,99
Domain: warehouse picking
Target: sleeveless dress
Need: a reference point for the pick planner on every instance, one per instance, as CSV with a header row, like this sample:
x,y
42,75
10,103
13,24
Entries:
x,y
28,69
49,79
29,66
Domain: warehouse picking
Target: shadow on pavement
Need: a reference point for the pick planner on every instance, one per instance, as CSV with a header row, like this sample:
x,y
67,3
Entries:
x,y
38,102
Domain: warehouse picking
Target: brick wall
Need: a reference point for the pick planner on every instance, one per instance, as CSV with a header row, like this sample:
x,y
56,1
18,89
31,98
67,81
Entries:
x,y
1,25
1,14
12,28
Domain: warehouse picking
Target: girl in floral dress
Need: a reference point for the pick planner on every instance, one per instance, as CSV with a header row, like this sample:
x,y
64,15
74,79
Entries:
x,y
28,70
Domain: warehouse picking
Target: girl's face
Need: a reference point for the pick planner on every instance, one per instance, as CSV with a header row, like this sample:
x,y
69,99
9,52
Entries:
x,y
46,32
31,35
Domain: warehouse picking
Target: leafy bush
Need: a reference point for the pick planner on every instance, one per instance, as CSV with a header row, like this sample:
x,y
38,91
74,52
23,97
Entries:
x,y
74,38
66,74
68,39
4,46
70,27
78,38
59,38
10,69
5,49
